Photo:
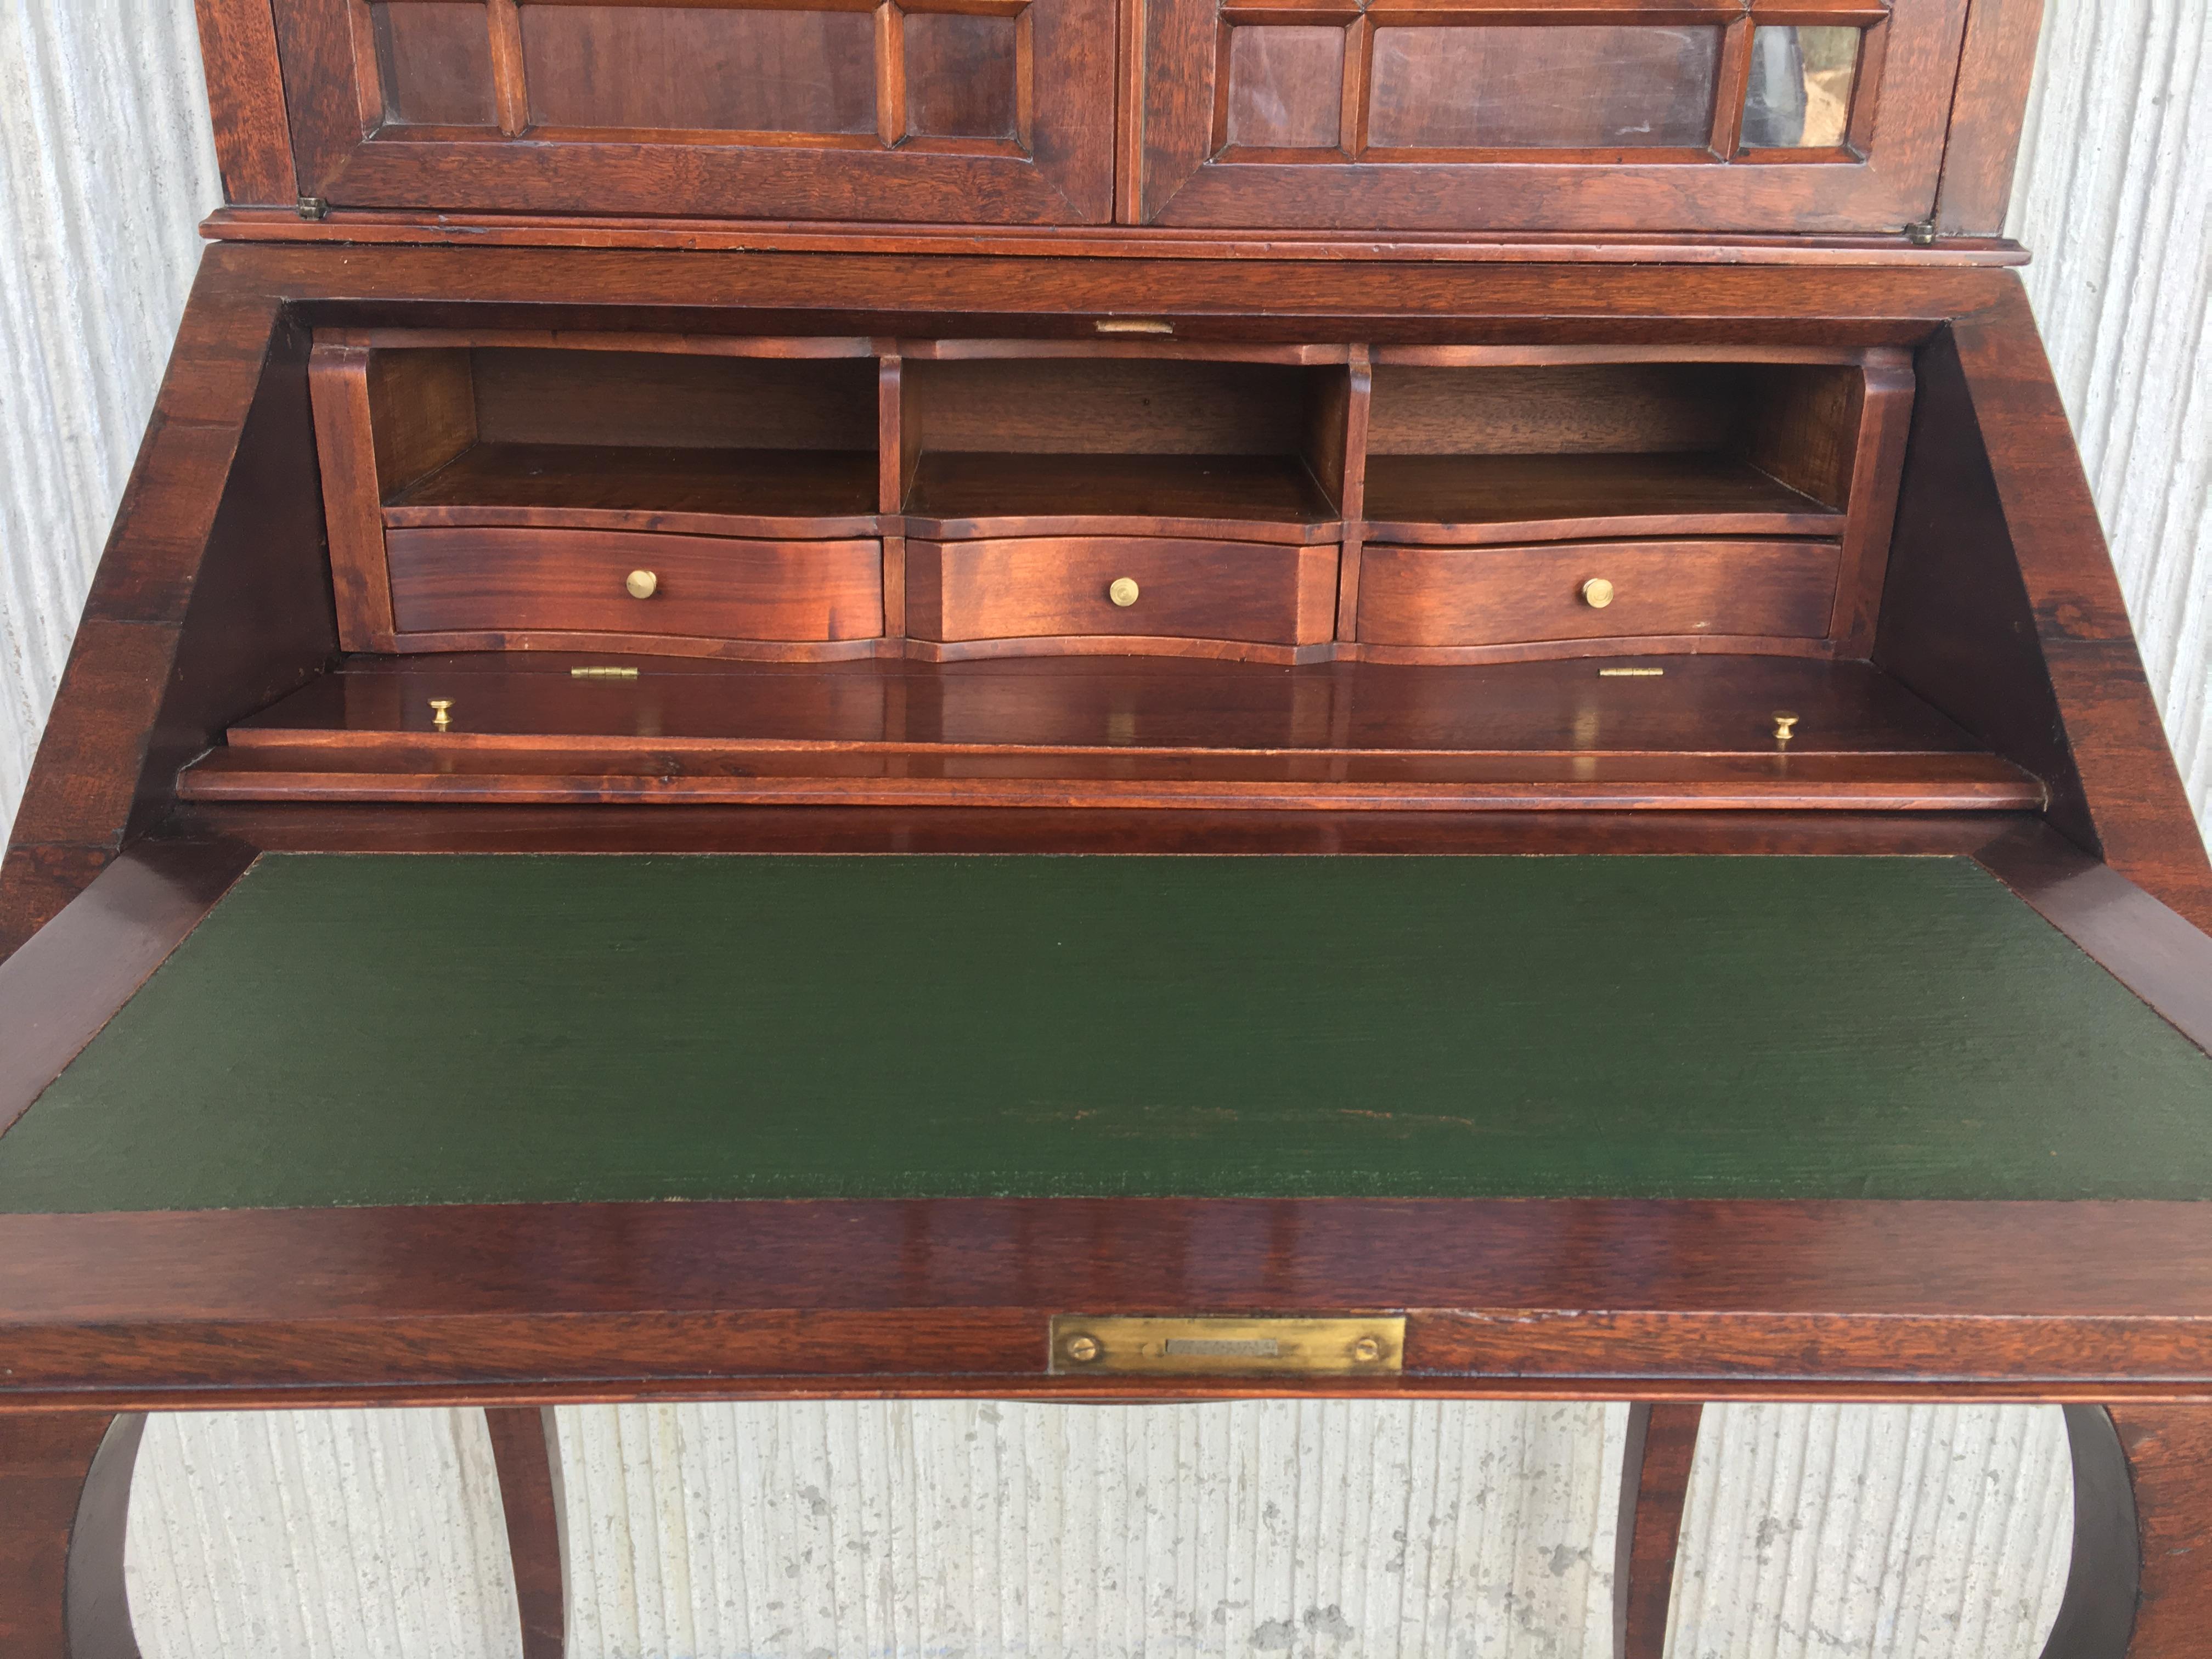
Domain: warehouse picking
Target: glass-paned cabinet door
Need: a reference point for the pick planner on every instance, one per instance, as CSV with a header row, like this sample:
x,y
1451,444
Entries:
x,y
1606,116
982,111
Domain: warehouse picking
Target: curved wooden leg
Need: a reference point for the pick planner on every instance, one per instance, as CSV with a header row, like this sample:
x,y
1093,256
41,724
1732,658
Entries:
x,y
525,1448
64,1497
1662,1443
2169,1457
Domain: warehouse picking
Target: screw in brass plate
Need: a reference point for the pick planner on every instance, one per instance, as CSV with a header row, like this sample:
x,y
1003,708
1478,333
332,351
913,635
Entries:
x,y
441,712
641,584
1367,1351
1084,1349
1123,592
1597,592
1785,724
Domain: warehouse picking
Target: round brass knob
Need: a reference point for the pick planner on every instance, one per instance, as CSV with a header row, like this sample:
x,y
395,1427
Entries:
x,y
1785,725
1123,592
1367,1351
1597,592
641,584
1083,1349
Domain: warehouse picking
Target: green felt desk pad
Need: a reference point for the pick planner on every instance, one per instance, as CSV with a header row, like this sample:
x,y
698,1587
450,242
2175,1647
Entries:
x,y
417,1029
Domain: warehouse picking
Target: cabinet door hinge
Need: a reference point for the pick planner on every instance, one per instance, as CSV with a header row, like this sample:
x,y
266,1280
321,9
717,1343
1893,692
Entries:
x,y
1922,235
314,207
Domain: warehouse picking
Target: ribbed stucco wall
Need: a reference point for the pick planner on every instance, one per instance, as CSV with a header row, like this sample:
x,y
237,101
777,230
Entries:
x,y
106,164
1810,1532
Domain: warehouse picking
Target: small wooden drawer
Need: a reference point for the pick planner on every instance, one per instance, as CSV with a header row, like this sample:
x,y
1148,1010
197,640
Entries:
x,y
1126,587
516,581
1492,596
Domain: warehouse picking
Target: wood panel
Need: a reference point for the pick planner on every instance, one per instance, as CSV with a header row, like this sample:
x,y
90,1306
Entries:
x,y
804,124
64,1489
495,582
1046,586
1419,152
1435,596
245,100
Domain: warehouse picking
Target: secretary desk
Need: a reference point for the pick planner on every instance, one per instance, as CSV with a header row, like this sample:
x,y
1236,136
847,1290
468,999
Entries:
x,y
1170,699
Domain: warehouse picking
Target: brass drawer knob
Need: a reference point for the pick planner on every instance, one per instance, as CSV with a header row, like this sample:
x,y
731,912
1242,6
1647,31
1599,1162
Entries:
x,y
641,584
1123,592
1597,592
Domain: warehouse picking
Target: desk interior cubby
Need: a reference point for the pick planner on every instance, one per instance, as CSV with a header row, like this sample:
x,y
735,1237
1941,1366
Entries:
x,y
1503,452
1074,572
1011,437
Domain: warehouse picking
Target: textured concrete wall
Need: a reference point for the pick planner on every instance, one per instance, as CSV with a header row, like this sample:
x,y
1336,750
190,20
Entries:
x,y
1874,1533
1313,1530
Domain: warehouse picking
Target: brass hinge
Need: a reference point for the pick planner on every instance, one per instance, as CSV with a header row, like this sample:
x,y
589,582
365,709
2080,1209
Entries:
x,y
1922,235
602,673
315,207
1373,1346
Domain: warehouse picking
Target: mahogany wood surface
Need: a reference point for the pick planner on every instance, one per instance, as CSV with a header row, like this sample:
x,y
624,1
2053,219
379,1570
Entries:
x,y
525,1448
1996,65
1478,499
64,1490
1710,704
402,769
2002,607
1046,586
2169,1455
245,100
517,1303
1661,1445
629,139
1438,596
491,581
373,226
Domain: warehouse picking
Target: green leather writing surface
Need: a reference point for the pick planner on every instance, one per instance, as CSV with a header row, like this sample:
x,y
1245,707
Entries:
x,y
366,1030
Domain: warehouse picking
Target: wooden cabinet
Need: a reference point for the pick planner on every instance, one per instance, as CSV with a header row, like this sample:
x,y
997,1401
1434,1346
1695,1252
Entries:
x,y
1716,115
990,111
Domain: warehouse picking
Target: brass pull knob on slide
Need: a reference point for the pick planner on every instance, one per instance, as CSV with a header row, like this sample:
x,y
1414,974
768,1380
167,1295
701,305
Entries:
x,y
1785,725
641,584
1597,592
1123,592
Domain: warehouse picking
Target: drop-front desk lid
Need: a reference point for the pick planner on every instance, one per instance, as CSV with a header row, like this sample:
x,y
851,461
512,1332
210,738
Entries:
x,y
395,1127
1734,119
381,1029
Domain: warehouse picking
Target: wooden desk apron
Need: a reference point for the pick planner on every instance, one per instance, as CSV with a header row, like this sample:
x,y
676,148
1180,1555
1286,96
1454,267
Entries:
x,y
409,1121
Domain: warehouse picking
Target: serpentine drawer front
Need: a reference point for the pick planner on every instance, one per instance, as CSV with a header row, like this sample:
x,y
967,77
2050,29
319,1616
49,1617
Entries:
x,y
490,585
1451,596
1126,587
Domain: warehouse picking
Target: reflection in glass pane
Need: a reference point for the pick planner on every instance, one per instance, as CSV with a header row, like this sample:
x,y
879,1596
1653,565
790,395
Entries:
x,y
1523,87
1801,87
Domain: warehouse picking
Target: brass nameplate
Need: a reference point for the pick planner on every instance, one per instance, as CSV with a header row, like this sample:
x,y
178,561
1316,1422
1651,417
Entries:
x,y
1371,1346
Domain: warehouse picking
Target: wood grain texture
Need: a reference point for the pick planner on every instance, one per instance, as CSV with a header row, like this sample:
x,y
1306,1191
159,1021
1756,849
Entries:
x,y
447,774
518,1305
506,581
346,449
1996,65
64,1481
1435,596
1185,183
1663,1443
2169,1457
246,99
629,141
1044,587
2002,607
525,1446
